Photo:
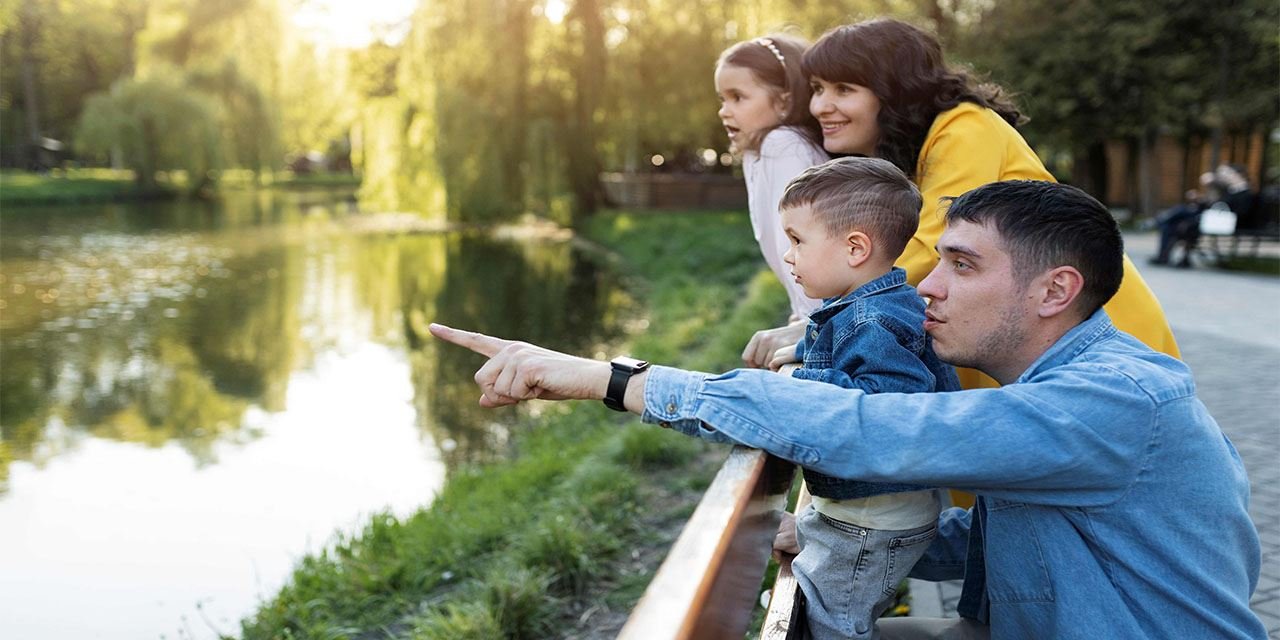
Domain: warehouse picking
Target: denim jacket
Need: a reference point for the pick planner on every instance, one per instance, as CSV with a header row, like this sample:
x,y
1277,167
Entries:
x,y
1110,502
871,339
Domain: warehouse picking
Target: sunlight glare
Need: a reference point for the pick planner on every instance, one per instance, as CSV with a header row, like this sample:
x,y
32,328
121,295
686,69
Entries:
x,y
349,24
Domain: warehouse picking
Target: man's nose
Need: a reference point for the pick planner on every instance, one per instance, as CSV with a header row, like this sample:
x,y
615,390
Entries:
x,y
931,286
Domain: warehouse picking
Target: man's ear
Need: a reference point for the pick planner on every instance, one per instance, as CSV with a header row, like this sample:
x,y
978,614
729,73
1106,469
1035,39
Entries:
x,y
859,246
1061,287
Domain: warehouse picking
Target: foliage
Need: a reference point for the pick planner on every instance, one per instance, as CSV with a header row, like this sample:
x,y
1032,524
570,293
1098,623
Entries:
x,y
160,123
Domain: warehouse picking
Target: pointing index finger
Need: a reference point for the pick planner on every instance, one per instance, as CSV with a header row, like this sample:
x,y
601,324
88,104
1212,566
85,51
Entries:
x,y
480,343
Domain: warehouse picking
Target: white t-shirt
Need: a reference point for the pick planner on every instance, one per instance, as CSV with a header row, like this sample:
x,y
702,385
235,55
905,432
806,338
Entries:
x,y
783,154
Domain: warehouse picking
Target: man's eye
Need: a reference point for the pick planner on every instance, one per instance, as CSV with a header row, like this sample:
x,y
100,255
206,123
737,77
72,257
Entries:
x,y
960,265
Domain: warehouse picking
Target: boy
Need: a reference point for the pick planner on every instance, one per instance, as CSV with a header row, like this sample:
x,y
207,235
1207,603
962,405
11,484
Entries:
x,y
848,221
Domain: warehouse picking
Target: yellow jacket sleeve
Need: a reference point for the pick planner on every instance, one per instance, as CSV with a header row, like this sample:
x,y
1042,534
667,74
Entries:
x,y
969,146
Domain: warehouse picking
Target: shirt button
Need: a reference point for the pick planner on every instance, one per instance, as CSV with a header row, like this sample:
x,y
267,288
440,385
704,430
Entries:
x,y
813,334
671,407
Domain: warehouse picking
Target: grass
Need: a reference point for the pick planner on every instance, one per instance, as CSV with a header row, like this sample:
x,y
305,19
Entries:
x,y
84,186
72,186
582,514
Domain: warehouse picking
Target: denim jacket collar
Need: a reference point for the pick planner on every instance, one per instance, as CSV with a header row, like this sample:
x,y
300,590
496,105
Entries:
x,y
896,277
1072,343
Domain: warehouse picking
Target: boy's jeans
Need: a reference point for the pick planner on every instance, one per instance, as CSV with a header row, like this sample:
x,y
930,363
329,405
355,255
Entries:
x,y
848,574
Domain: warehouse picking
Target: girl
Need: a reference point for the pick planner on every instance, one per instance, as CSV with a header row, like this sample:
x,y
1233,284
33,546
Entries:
x,y
764,101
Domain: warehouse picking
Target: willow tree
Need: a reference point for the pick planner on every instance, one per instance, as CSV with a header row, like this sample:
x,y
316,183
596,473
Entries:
x,y
160,123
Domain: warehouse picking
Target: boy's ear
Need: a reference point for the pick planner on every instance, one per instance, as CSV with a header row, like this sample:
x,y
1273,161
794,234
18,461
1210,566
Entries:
x,y
859,246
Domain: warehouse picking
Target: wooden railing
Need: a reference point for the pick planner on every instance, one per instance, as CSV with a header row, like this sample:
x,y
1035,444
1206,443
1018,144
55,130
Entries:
x,y
709,583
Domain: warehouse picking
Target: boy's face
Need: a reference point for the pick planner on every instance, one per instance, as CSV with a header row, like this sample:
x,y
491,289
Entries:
x,y
820,261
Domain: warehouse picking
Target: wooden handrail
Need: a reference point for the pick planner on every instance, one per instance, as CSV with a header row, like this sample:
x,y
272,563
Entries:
x,y
707,587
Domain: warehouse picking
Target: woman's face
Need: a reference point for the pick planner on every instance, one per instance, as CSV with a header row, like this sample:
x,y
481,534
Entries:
x,y
847,113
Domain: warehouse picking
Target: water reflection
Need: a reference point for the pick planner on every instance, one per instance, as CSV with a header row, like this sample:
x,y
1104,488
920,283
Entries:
x,y
269,364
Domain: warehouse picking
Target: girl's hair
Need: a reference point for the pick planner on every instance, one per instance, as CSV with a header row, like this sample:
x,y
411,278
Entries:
x,y
903,66
775,61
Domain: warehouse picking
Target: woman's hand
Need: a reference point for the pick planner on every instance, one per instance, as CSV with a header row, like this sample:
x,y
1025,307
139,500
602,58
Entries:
x,y
766,342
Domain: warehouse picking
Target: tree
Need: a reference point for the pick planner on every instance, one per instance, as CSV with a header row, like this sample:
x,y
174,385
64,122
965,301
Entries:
x,y
161,123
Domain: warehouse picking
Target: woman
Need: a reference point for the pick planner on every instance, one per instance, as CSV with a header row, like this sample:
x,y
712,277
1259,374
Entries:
x,y
882,88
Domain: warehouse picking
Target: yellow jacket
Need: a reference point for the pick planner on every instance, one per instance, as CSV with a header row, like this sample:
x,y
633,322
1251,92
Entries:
x,y
969,146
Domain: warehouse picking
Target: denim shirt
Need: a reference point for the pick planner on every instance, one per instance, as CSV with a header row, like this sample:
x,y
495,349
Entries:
x,y
1110,502
871,339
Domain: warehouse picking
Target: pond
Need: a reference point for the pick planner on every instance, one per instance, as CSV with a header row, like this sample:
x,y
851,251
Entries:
x,y
193,395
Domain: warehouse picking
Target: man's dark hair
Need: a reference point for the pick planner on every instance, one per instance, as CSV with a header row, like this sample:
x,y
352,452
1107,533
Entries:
x,y
855,193
1045,225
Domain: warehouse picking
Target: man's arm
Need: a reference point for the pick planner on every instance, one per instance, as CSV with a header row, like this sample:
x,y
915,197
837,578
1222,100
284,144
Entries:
x,y
1075,436
519,371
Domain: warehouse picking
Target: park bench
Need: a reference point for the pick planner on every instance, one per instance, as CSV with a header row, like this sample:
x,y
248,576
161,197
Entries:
x,y
1226,235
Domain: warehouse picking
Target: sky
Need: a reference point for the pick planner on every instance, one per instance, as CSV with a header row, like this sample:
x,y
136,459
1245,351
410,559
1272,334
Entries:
x,y
353,23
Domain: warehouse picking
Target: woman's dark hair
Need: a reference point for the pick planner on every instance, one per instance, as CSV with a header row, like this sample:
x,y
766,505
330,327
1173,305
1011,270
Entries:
x,y
761,57
904,67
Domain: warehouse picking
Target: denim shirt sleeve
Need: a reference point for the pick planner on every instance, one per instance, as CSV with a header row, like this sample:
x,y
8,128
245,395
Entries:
x,y
879,361
1074,436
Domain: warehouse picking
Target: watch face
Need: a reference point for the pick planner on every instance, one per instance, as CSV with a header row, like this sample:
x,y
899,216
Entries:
x,y
632,365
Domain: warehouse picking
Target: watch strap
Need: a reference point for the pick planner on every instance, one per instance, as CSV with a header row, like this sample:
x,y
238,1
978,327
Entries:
x,y
623,368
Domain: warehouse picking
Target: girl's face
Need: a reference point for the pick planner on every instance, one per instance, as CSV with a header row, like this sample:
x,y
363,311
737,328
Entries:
x,y
847,113
746,105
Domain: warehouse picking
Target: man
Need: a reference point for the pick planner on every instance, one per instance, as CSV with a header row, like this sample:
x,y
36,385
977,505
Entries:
x,y
1110,504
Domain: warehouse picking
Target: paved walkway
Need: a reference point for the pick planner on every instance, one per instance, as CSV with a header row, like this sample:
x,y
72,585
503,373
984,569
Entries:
x,y
1228,327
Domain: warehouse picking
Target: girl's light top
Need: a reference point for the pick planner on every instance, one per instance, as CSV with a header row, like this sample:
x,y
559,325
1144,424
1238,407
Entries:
x,y
969,146
783,154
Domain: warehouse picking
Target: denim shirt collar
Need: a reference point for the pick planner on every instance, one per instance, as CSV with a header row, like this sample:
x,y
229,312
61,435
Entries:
x,y
1072,343
896,277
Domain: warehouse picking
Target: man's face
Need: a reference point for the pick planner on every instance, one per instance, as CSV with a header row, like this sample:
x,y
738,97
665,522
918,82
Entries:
x,y
979,314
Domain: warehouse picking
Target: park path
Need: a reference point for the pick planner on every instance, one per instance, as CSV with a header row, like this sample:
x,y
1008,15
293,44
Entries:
x,y
1228,327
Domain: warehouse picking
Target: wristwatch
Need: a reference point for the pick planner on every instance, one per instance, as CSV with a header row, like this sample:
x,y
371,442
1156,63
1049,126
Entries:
x,y
623,368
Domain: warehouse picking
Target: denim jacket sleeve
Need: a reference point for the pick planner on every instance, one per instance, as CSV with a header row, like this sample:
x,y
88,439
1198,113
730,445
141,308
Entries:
x,y
879,361
1074,436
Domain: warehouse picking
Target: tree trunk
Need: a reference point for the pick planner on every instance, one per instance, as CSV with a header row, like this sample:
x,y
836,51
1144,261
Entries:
x,y
1089,169
29,29
1147,179
518,18
589,70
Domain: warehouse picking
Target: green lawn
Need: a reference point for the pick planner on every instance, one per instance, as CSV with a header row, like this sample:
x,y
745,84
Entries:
x,y
583,513
80,186
66,187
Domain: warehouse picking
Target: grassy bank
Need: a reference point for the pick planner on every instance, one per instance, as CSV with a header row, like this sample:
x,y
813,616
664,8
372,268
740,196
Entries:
x,y
85,186
561,540
76,186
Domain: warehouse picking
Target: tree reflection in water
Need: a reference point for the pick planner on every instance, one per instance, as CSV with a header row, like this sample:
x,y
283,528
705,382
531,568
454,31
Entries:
x,y
170,327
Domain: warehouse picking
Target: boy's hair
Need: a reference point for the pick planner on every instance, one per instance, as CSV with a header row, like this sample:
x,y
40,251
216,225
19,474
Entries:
x,y
904,67
1044,225
761,57
866,194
